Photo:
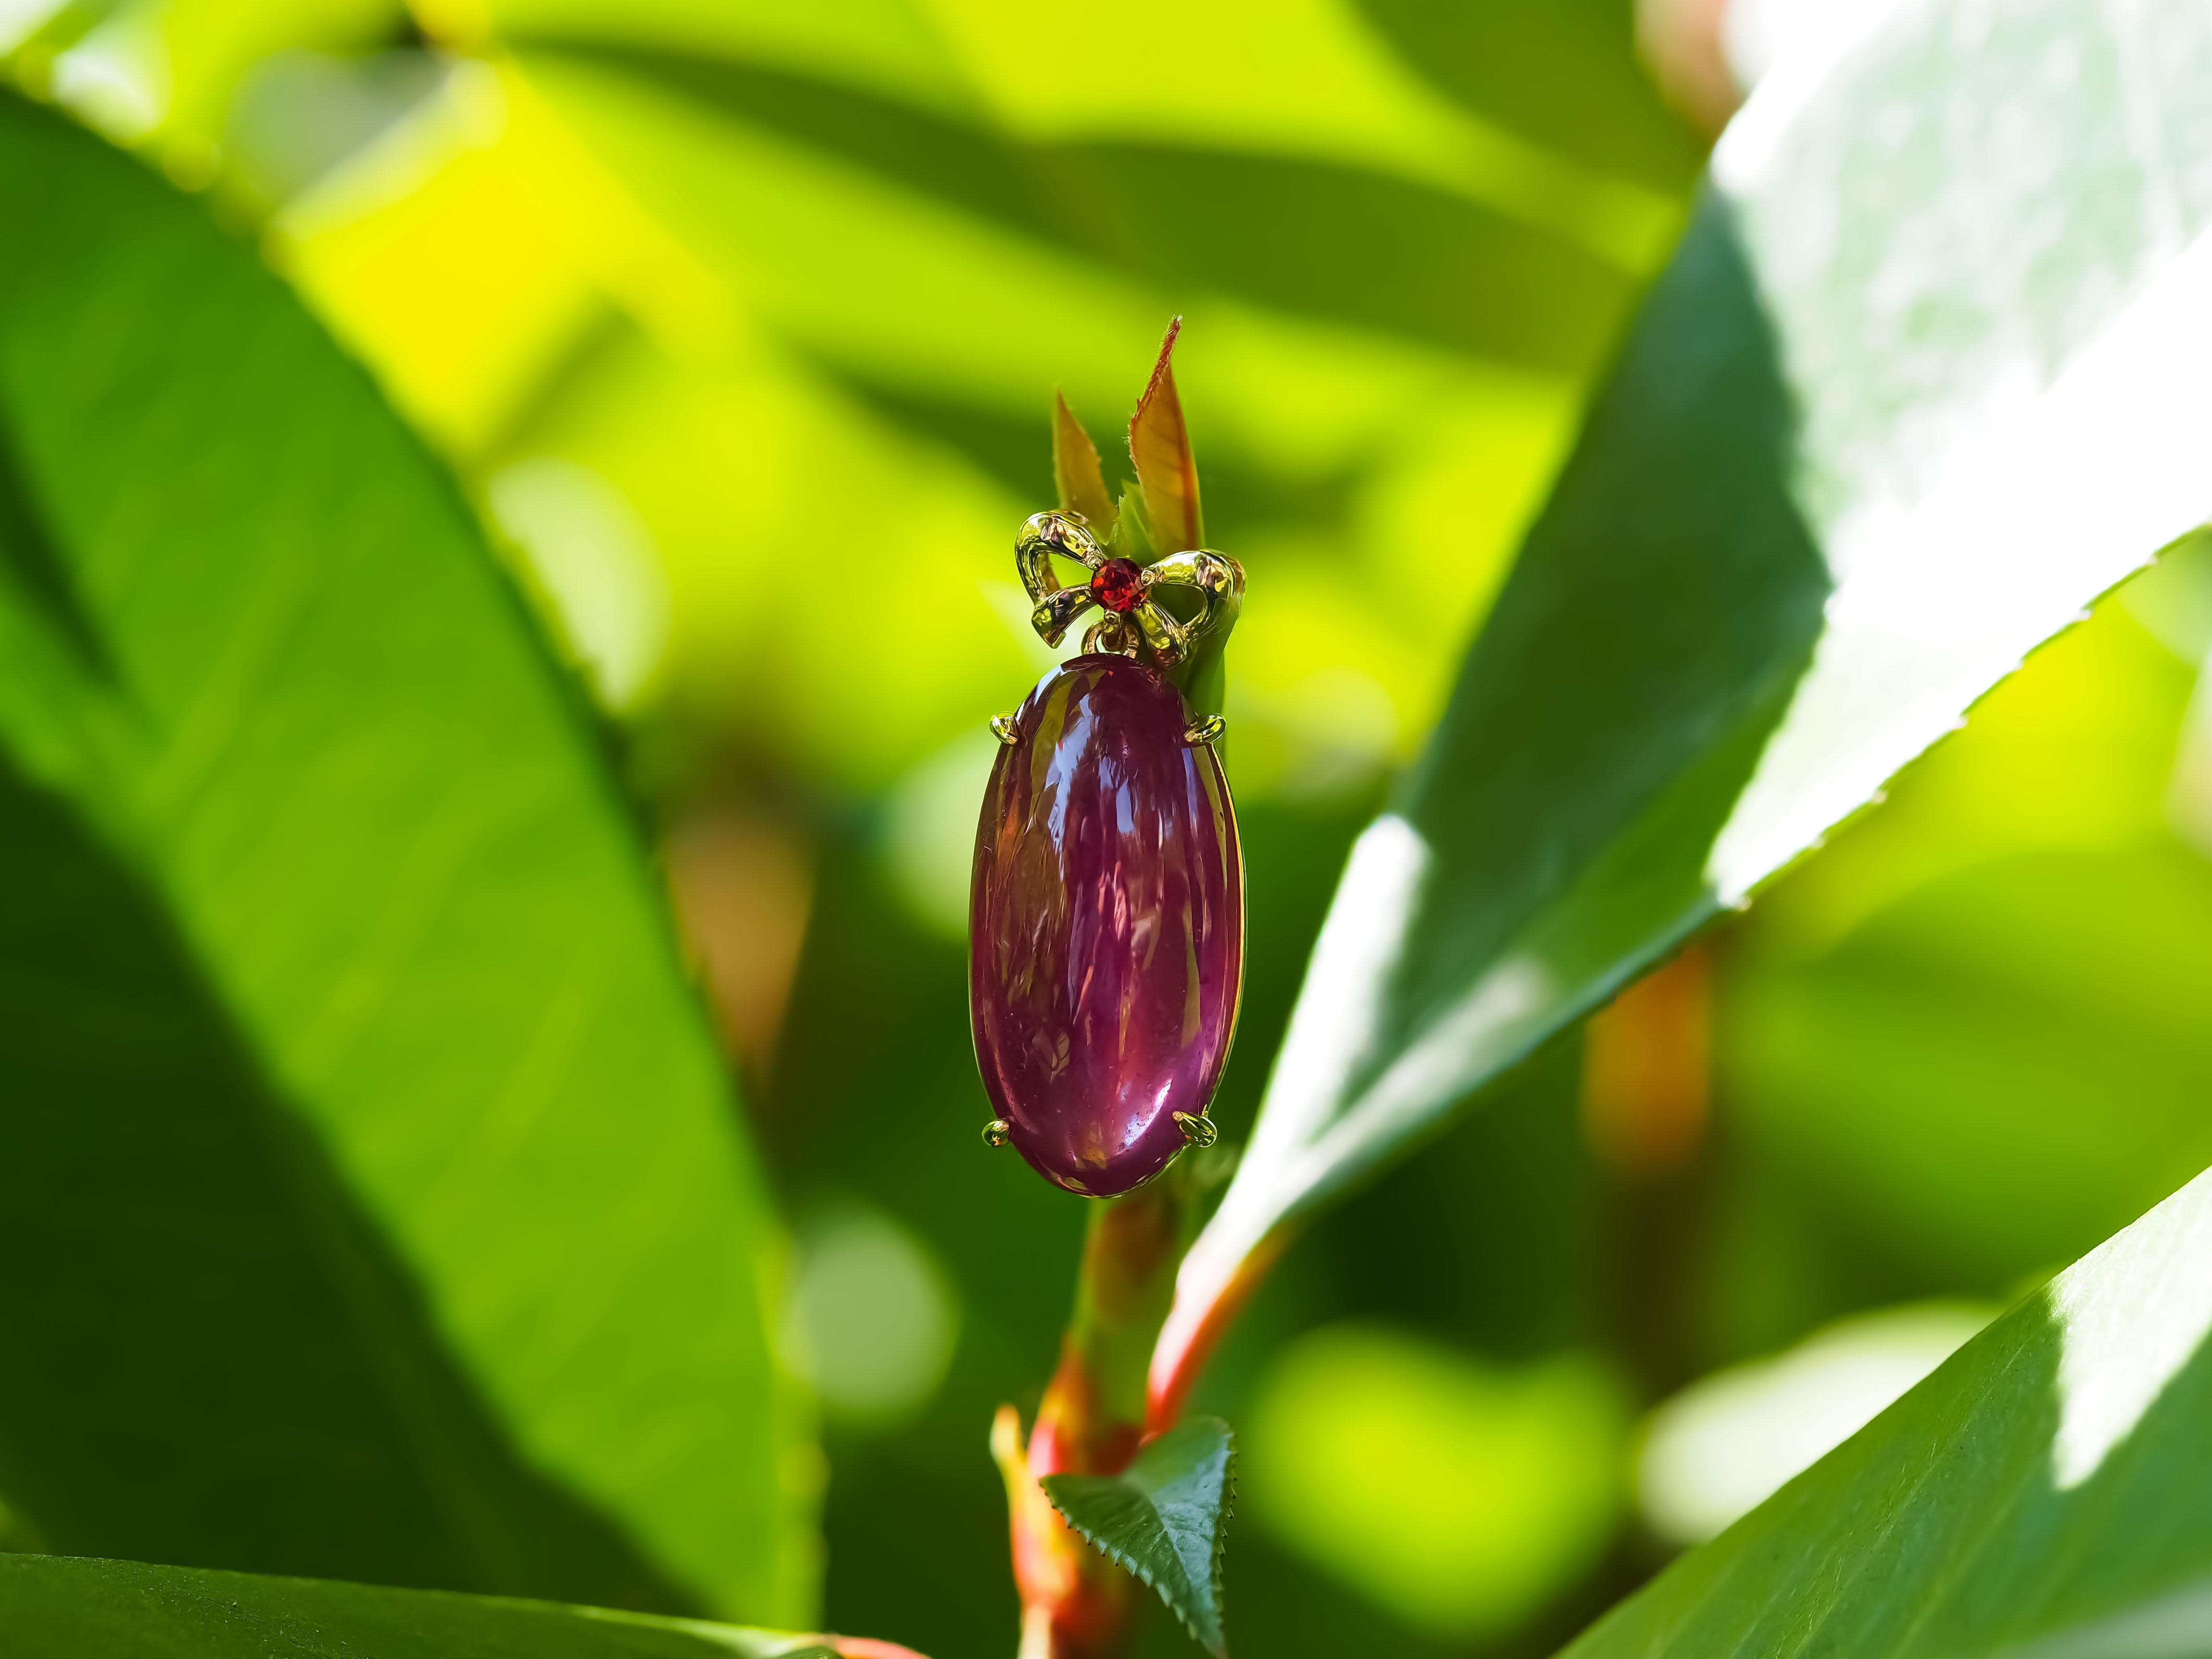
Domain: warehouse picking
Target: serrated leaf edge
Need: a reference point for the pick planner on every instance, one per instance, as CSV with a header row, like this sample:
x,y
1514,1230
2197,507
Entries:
x,y
1220,1552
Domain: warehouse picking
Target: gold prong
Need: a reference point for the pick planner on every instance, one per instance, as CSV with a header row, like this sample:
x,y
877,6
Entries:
x,y
1002,728
1197,1128
1206,731
997,1132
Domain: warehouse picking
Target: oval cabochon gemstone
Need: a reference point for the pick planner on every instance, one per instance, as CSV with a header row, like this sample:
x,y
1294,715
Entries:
x,y
1106,942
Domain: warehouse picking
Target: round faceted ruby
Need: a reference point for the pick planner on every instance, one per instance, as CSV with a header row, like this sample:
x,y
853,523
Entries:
x,y
1106,949
1118,585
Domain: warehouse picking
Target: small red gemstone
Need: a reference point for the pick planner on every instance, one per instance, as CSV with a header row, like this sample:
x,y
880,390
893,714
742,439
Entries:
x,y
1118,585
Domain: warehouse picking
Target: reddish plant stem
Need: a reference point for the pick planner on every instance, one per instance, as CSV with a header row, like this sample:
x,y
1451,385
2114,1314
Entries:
x,y
1075,1603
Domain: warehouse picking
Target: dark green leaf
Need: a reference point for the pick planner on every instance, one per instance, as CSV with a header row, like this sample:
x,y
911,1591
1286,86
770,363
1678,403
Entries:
x,y
1165,1518
1863,451
377,1200
77,1609
2047,1491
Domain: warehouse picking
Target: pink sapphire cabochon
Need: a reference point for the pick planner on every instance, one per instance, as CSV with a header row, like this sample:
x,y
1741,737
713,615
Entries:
x,y
1106,936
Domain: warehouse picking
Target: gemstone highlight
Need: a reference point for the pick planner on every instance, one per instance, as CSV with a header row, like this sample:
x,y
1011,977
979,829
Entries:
x,y
1118,585
1106,942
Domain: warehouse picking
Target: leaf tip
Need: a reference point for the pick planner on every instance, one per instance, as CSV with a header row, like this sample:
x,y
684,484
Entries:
x,y
1159,449
1076,476
1162,367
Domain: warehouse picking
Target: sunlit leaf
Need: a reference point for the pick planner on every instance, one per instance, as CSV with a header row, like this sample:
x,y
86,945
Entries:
x,y
1566,73
1159,448
1870,444
1320,85
62,1609
502,257
2045,1492
1165,1518
380,1201
1075,475
886,46
779,178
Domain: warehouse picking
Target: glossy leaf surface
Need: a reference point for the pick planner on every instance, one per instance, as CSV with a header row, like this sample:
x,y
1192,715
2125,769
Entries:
x,y
1869,444
1165,1518
379,1200
64,1608
2045,1492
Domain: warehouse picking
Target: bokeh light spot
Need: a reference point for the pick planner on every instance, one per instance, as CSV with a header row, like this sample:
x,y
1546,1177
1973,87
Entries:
x,y
1456,1494
872,1318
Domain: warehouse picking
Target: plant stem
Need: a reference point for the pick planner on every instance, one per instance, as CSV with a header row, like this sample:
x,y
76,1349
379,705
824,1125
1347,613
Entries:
x,y
1075,1603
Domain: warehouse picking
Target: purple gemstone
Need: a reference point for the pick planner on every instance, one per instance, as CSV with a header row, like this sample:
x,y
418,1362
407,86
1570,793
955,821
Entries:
x,y
1106,944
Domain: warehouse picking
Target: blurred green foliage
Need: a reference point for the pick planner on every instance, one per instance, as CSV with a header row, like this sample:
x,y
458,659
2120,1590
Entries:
x,y
1968,1038
847,250
124,1610
1521,1473
738,323
347,1037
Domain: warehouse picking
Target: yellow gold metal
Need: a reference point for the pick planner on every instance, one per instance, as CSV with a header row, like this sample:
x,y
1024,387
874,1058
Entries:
x,y
1149,630
1166,638
1002,728
1197,1128
1218,578
1206,731
1055,611
997,1132
1043,535
1112,635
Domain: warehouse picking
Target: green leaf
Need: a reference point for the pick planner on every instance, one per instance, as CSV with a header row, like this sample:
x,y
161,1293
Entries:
x,y
1165,1518
2044,1492
1078,480
1972,1033
80,1609
1871,442
1159,449
1993,1071
1568,73
379,1200
1325,239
